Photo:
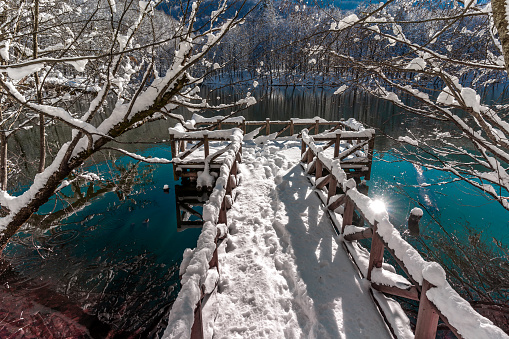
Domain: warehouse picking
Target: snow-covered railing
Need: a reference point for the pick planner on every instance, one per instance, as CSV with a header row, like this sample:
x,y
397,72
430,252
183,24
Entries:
x,y
199,268
185,146
354,149
425,282
292,125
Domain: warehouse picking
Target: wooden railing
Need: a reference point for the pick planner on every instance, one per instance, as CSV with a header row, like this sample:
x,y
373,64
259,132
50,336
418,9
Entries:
x,y
185,162
424,281
267,126
199,270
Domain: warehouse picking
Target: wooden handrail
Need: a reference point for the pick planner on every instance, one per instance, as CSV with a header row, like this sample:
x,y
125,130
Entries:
x,y
429,313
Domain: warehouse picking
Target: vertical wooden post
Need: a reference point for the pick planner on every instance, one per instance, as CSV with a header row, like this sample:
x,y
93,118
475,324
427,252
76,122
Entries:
x,y
244,126
376,254
413,221
233,181
182,146
333,184
427,318
317,126
291,127
302,147
197,329
371,147
222,214
347,213
214,262
267,126
173,148
319,168
234,169
206,145
219,125
337,144
310,156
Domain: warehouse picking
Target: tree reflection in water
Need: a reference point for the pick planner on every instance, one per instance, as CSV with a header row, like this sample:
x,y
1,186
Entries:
x,y
58,281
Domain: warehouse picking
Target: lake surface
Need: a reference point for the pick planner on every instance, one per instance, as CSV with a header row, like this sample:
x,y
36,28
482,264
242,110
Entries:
x,y
112,265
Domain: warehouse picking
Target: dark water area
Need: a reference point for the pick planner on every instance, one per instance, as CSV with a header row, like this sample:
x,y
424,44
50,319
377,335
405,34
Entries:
x,y
104,261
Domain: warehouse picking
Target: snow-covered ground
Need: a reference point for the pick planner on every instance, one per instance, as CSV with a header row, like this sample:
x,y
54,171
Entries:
x,y
283,271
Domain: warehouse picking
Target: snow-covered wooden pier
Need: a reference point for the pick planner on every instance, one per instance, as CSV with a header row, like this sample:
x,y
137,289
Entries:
x,y
279,256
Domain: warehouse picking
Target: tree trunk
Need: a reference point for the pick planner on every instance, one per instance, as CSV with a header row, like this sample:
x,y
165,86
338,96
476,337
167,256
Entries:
x,y
42,128
499,16
3,161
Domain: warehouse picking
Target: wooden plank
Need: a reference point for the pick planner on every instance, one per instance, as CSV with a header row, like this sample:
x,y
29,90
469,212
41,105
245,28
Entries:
x,y
376,254
324,181
365,234
427,318
318,138
267,126
340,201
191,150
189,209
351,150
292,128
329,144
410,293
201,138
281,131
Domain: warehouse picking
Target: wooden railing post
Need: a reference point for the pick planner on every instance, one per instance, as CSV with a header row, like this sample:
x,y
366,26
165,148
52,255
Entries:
x,y
336,145
222,214
291,127
173,148
333,183
347,213
371,147
267,126
318,169
427,318
376,254
197,329
317,126
206,145
413,221
244,126
302,147
310,156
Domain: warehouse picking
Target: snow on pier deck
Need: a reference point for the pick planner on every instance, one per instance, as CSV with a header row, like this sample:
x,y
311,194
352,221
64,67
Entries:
x,y
269,263
283,271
